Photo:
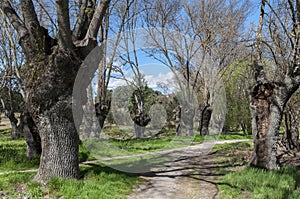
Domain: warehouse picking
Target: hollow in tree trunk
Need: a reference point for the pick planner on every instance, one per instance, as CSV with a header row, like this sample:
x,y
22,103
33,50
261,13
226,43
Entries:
x,y
205,119
267,104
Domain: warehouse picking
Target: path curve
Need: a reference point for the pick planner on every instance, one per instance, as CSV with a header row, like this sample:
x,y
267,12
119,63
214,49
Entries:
x,y
188,177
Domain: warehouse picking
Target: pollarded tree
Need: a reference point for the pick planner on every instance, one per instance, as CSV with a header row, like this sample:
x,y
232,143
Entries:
x,y
52,65
277,40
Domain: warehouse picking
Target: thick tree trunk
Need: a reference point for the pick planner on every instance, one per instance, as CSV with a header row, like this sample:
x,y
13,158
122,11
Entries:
x,y
205,119
187,117
51,107
267,104
32,137
59,144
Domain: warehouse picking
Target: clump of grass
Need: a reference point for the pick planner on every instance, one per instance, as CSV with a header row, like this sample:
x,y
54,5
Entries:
x,y
258,183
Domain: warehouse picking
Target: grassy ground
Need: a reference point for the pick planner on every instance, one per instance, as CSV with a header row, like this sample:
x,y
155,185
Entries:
x,y
97,180
246,182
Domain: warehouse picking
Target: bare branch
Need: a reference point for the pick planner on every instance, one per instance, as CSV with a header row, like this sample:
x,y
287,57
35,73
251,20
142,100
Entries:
x,y
63,19
97,20
19,26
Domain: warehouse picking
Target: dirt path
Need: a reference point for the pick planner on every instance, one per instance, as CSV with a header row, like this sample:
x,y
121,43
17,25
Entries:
x,y
190,176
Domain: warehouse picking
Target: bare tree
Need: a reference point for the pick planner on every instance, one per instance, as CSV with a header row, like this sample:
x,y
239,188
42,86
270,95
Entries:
x,y
277,41
52,65
207,40
14,61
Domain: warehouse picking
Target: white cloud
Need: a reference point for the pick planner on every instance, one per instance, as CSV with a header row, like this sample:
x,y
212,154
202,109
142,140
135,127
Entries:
x,y
152,81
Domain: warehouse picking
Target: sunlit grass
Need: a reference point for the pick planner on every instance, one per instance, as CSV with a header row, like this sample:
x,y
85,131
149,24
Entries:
x,y
258,183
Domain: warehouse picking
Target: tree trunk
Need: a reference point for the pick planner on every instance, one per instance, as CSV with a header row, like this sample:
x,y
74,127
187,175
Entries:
x,y
102,110
15,133
177,120
290,139
90,129
32,137
141,120
187,117
267,104
205,119
51,107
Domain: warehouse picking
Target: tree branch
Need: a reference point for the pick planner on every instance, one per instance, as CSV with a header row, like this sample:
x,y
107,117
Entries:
x,y
97,20
258,65
19,26
63,19
87,8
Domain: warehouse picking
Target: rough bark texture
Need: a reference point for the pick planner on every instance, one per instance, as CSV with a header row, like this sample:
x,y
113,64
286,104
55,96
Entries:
x,y
205,119
290,139
50,92
31,133
51,72
267,103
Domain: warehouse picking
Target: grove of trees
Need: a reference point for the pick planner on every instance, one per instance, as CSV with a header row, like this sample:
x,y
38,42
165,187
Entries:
x,y
43,44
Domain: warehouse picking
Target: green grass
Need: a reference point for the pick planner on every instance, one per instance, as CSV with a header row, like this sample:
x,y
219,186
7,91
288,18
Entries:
x,y
13,154
252,182
261,184
97,181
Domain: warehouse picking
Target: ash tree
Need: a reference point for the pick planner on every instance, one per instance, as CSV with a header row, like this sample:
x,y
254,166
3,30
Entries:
x,y
52,62
277,41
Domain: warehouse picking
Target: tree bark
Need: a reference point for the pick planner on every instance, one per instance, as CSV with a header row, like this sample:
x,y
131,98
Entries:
x,y
267,104
187,118
177,120
141,120
102,110
290,139
50,92
32,137
15,133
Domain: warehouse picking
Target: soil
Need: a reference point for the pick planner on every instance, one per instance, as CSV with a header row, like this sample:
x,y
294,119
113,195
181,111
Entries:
x,y
192,176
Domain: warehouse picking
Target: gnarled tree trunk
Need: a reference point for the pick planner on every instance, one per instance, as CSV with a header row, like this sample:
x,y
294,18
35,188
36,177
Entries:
x,y
51,108
141,120
267,104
